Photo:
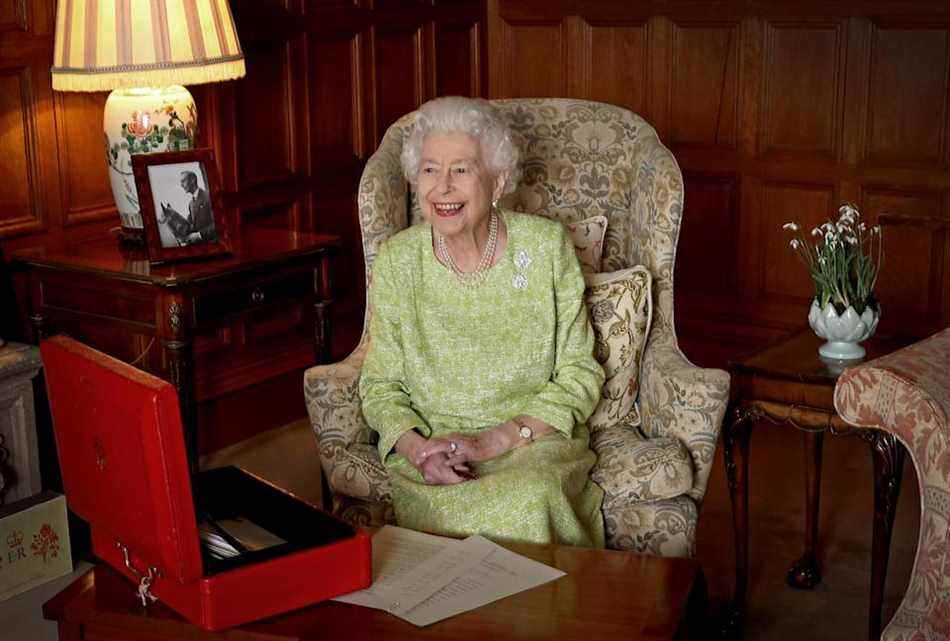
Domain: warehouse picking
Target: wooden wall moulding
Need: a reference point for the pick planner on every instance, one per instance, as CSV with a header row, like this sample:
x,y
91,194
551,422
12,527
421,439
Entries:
x,y
21,192
804,89
85,192
775,112
704,88
13,16
907,94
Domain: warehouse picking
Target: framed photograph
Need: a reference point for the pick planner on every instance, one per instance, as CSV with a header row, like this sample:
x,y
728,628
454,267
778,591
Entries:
x,y
180,200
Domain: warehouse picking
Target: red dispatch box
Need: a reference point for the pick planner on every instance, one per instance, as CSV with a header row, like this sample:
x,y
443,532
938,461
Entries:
x,y
122,454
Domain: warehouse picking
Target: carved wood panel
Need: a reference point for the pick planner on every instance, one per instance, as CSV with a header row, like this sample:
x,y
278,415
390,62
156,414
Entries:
x,y
916,305
803,88
336,102
704,91
86,191
399,75
533,61
708,235
266,105
907,94
21,200
457,60
618,66
13,15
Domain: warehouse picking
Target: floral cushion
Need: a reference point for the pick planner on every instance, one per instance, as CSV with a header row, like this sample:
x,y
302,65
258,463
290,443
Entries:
x,y
633,468
588,237
620,308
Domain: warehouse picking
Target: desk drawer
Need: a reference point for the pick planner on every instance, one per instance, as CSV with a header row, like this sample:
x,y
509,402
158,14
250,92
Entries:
x,y
213,306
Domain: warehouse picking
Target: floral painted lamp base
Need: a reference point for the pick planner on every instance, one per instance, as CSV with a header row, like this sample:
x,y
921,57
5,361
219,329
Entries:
x,y
843,332
143,121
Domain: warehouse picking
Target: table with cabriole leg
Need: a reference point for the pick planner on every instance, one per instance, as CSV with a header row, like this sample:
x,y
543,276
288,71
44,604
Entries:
x,y
789,384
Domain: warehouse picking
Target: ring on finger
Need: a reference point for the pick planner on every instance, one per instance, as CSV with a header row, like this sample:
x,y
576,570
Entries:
x,y
453,447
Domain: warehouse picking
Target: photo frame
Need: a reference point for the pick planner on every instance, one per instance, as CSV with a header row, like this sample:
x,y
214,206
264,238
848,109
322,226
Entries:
x,y
181,205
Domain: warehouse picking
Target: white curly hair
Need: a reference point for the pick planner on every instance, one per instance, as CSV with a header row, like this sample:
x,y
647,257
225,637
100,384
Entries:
x,y
473,116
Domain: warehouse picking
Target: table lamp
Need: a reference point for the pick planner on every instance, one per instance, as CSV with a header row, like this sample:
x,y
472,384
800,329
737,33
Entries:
x,y
144,51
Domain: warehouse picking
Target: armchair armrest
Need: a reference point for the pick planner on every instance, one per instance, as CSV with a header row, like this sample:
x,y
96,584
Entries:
x,y
680,399
907,394
345,442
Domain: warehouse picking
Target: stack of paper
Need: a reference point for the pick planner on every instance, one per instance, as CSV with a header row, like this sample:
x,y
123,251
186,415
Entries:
x,y
424,578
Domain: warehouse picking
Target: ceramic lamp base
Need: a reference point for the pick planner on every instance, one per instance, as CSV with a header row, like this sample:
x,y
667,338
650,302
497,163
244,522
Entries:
x,y
840,350
144,121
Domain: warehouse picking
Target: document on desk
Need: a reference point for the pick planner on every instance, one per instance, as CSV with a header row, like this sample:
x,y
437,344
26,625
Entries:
x,y
424,578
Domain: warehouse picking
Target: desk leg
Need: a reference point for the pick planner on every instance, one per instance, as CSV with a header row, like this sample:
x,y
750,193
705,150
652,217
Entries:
x,y
176,344
888,456
736,432
805,573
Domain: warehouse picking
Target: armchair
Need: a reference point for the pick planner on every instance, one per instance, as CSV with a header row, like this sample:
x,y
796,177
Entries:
x,y
580,159
907,394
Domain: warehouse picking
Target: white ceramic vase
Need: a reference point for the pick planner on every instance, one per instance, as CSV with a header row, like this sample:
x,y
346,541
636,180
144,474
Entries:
x,y
843,332
144,120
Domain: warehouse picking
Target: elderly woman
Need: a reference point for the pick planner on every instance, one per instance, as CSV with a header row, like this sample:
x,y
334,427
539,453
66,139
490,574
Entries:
x,y
480,374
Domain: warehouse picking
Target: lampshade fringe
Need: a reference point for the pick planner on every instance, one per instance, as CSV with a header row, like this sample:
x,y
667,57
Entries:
x,y
199,73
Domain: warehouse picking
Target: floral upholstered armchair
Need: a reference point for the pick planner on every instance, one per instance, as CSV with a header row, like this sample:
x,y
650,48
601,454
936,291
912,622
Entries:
x,y
907,394
579,159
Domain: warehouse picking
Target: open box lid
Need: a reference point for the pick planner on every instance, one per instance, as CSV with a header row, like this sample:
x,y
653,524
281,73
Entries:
x,y
122,454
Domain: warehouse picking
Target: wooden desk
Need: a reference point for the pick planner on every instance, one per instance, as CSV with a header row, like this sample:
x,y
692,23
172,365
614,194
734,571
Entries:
x,y
212,327
790,384
605,595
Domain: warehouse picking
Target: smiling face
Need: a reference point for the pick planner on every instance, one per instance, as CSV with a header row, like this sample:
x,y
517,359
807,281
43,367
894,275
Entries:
x,y
454,186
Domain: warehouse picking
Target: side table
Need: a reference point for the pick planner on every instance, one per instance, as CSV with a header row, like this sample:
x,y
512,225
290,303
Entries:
x,y
215,328
790,384
19,455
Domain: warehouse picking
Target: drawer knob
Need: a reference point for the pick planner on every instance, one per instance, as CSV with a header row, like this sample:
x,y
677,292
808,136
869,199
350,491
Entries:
x,y
257,296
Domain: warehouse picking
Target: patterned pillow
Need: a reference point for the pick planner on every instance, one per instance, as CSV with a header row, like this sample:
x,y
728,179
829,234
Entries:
x,y
632,469
588,237
620,308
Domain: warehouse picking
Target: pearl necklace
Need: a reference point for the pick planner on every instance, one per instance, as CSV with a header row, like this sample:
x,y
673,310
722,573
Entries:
x,y
476,276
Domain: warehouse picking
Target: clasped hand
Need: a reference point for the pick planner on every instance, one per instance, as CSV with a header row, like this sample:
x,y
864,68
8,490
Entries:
x,y
444,460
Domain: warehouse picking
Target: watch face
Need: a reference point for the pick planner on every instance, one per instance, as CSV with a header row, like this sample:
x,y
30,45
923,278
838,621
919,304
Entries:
x,y
525,432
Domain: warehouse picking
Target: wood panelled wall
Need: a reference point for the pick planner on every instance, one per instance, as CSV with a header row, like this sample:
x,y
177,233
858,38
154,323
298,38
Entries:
x,y
775,111
325,78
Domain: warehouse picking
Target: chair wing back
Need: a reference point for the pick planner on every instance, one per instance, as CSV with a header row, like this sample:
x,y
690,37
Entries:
x,y
579,159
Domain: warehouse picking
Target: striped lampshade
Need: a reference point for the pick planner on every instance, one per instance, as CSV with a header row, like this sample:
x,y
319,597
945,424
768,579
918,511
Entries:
x,y
108,44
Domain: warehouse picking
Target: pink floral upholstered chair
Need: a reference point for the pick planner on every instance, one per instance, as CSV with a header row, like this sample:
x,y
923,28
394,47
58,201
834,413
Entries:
x,y
907,394
580,159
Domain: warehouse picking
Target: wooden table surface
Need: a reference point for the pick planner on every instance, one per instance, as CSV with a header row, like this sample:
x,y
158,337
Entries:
x,y
605,595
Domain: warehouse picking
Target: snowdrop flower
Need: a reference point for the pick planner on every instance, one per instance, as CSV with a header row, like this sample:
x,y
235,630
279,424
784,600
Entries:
x,y
816,232
851,239
794,243
876,229
847,210
861,227
790,226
